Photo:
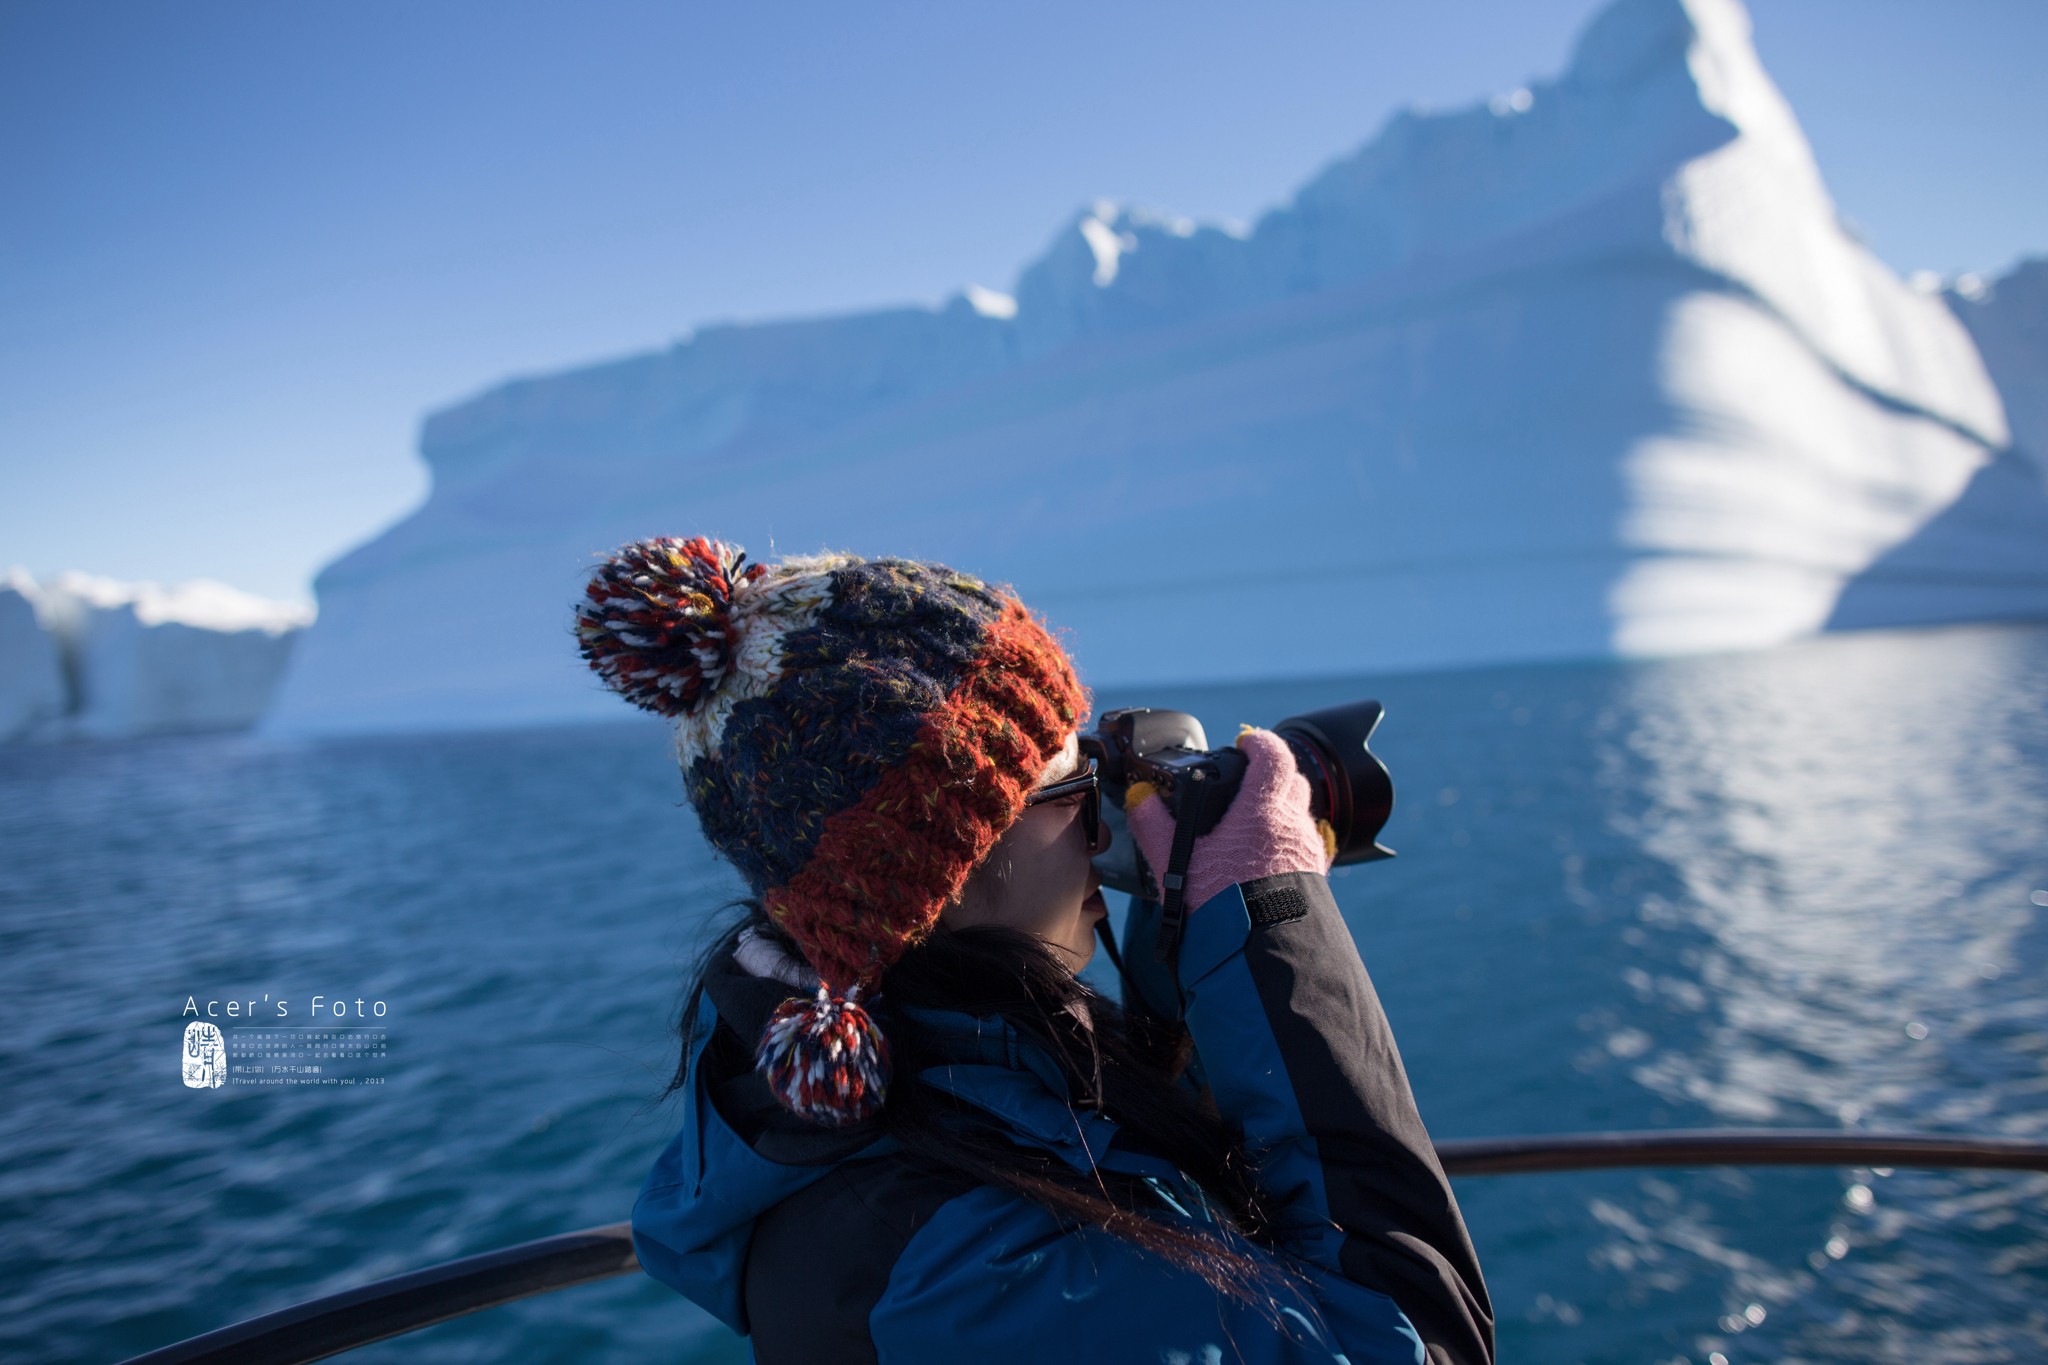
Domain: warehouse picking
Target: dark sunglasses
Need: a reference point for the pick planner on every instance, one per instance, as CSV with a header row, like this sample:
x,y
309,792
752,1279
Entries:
x,y
1082,784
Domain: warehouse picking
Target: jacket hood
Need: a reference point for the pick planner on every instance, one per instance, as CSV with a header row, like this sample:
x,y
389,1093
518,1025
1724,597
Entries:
x,y
740,1153
743,1003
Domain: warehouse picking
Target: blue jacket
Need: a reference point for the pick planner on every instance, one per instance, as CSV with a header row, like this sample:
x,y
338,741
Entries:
x,y
837,1247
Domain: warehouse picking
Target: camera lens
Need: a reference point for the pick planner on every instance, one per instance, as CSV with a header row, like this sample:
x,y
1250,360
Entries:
x,y
1348,785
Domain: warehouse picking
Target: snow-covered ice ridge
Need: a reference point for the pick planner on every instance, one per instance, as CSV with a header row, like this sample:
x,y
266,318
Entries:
x,y
88,656
1590,368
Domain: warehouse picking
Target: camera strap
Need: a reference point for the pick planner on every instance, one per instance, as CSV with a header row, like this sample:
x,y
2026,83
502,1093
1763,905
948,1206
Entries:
x,y
1190,816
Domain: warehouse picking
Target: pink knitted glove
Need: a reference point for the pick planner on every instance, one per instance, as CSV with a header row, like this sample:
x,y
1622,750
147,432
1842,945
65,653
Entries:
x,y
1266,831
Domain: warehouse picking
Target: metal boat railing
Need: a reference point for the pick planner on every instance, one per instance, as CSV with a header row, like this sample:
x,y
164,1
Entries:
x,y
405,1303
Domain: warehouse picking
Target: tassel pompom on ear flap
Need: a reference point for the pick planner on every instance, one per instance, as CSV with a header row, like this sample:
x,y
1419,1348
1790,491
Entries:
x,y
826,1059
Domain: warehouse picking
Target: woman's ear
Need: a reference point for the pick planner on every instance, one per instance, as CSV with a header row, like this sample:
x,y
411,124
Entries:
x,y
981,896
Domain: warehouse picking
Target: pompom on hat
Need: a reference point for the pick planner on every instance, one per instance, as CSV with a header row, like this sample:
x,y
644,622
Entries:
x,y
855,735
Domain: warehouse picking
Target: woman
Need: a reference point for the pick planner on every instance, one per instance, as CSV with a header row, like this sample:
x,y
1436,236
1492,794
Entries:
x,y
910,1133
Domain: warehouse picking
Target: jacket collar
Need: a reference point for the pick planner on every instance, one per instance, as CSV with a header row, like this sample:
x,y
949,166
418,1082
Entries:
x,y
744,1002
983,1061
988,1063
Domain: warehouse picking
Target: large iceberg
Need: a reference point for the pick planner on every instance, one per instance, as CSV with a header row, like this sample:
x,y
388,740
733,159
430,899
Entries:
x,y
33,694
96,658
1590,368
2008,318
1980,556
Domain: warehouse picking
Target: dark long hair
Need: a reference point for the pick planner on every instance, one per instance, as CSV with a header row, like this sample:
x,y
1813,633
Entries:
x,y
1123,1068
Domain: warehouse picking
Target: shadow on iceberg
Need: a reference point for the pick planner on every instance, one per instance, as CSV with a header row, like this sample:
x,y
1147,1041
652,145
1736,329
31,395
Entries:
x,y
1998,528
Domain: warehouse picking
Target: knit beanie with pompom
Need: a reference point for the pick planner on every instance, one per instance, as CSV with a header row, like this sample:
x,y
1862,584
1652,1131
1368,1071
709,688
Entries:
x,y
855,736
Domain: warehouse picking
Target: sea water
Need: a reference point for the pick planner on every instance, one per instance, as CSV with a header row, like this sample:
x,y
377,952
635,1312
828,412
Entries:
x,y
1803,887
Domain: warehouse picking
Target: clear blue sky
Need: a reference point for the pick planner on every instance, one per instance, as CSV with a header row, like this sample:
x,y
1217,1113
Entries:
x,y
244,247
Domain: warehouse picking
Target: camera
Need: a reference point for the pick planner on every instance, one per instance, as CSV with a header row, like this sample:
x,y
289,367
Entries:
x,y
1348,785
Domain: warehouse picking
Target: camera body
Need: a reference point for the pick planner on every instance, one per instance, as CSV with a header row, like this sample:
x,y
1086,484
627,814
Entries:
x,y
1348,785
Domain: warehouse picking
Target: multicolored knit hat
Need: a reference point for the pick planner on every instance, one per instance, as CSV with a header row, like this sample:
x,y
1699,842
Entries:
x,y
855,736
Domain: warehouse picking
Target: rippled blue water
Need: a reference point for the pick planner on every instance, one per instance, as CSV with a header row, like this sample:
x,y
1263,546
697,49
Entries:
x,y
1800,887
